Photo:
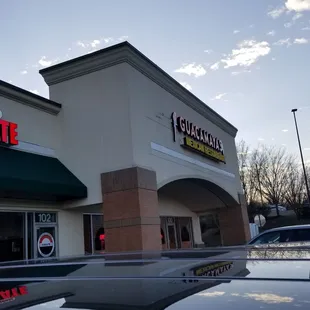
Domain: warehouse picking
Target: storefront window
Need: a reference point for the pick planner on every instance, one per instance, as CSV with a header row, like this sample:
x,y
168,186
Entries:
x,y
100,240
28,235
12,236
210,229
94,236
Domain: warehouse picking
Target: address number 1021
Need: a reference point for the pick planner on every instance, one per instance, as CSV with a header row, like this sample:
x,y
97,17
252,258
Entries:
x,y
45,218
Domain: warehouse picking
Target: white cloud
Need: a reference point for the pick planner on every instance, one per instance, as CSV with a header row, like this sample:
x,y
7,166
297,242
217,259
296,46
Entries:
x,y
95,43
108,40
123,38
248,52
298,5
192,69
276,12
301,41
23,72
297,16
234,73
285,130
186,85
236,31
305,28
286,42
261,139
81,44
90,44
219,96
208,51
44,62
288,25
215,66
271,33
34,91
307,149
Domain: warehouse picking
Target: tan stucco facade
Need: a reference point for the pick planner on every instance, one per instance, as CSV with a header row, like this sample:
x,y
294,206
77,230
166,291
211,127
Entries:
x,y
113,112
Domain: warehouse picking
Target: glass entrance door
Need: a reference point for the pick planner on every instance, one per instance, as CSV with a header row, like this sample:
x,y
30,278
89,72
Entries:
x,y
46,241
172,236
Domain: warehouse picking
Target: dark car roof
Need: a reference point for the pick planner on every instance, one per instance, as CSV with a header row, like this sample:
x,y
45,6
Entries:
x,y
243,278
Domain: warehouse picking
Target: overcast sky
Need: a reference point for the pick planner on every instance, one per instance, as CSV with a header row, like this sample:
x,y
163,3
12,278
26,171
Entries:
x,y
249,60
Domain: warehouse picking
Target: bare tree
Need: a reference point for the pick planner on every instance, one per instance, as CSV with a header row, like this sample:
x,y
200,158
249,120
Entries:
x,y
274,174
243,155
295,193
257,164
247,173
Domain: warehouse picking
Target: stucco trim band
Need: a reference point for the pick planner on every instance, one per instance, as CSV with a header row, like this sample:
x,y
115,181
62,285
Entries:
x,y
25,97
167,151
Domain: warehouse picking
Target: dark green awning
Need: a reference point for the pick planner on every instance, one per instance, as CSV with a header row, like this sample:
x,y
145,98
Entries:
x,y
25,175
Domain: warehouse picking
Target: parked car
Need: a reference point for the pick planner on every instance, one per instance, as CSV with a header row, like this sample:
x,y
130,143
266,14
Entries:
x,y
188,279
273,210
286,234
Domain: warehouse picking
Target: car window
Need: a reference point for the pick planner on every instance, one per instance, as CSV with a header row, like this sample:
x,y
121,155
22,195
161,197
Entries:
x,y
271,237
301,235
287,235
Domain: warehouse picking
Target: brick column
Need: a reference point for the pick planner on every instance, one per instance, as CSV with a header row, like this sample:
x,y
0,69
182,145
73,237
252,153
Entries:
x,y
234,224
130,209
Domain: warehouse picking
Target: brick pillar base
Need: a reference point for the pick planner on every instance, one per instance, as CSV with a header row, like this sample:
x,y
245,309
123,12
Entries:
x,y
234,224
130,209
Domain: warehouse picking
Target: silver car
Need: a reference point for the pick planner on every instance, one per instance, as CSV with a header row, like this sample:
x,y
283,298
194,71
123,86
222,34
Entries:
x,y
287,234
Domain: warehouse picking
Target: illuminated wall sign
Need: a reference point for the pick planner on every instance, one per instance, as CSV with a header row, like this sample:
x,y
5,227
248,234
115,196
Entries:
x,y
198,139
8,133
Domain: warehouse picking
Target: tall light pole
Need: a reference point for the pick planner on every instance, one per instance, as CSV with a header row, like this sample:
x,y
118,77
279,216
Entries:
x,y
302,158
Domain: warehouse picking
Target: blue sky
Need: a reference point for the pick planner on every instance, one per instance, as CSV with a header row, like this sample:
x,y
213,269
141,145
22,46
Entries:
x,y
246,59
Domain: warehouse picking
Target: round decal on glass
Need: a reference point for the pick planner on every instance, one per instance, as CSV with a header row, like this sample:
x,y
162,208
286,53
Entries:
x,y
46,245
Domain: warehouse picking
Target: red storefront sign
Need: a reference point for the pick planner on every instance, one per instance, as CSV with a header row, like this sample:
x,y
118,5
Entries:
x,y
8,133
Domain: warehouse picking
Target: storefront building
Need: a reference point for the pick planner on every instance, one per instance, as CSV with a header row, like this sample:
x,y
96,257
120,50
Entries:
x,y
121,157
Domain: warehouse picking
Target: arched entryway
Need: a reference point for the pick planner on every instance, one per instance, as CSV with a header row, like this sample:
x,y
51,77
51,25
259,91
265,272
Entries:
x,y
186,204
135,201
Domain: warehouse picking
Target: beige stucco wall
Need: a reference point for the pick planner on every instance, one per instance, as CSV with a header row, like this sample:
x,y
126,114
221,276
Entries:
x,y
95,126
34,126
123,112
151,107
70,232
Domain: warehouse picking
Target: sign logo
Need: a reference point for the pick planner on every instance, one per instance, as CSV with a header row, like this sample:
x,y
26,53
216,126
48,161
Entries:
x,y
197,139
213,270
46,245
8,132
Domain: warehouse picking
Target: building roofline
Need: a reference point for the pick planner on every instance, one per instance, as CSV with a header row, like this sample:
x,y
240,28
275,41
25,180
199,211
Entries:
x,y
125,52
26,97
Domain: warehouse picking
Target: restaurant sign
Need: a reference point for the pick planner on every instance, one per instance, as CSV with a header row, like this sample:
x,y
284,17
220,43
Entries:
x,y
197,139
8,132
